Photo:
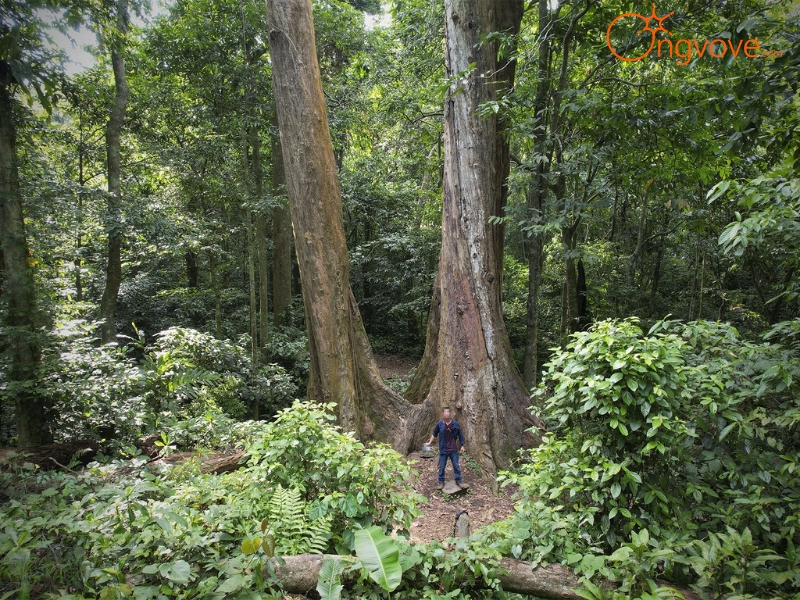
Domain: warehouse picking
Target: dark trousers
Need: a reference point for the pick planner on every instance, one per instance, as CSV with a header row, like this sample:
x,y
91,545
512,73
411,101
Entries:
x,y
453,456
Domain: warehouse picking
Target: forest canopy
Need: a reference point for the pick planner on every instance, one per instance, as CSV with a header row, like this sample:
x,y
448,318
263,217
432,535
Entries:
x,y
227,239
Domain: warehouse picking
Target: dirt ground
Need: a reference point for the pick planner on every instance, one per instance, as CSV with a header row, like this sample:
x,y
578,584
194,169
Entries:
x,y
394,366
439,512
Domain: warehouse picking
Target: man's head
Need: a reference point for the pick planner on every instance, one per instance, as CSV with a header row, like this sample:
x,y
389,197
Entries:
x,y
446,413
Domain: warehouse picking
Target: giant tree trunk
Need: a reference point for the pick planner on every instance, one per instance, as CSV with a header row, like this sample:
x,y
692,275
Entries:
x,y
22,318
108,303
281,237
475,373
343,369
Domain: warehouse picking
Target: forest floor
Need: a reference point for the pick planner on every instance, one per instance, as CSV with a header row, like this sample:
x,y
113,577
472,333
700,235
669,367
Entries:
x,y
396,366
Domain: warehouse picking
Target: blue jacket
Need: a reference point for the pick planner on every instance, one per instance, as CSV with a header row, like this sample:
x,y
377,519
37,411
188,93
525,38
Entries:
x,y
456,431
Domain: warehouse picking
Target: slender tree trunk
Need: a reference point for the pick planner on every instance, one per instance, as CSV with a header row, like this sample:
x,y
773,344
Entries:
x,y
281,236
636,257
343,369
251,275
531,358
23,317
78,242
656,278
192,273
702,286
212,267
570,284
535,199
108,303
694,276
261,236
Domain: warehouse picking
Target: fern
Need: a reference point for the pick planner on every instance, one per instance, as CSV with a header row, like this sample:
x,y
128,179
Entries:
x,y
295,532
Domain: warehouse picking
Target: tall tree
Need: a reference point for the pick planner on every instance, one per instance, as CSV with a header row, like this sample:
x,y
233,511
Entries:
x,y
474,370
343,369
22,318
116,118
25,62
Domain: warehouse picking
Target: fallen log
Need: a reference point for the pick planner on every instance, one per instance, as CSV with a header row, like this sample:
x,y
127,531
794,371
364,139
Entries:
x,y
50,456
214,464
298,575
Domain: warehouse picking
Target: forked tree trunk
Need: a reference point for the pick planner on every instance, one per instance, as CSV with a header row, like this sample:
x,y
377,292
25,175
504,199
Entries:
x,y
343,369
22,318
474,372
281,237
108,303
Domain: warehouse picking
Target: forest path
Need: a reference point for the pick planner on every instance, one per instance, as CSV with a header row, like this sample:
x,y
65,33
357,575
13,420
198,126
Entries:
x,y
439,513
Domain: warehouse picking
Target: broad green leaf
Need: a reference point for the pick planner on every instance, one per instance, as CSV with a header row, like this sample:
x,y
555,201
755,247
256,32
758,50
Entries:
x,y
380,557
328,582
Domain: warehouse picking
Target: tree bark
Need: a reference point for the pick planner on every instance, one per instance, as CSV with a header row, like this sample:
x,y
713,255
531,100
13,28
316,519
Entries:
x,y
343,369
23,317
108,303
475,373
299,574
281,237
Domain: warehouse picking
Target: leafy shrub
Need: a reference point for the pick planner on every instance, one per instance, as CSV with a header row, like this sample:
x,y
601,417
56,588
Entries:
x,y
337,474
683,432
94,391
104,392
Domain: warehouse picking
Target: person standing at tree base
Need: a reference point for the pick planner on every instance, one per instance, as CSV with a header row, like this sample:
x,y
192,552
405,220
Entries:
x,y
450,440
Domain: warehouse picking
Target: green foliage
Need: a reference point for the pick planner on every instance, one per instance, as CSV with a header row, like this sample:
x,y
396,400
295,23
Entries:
x,y
681,434
296,532
179,532
338,475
